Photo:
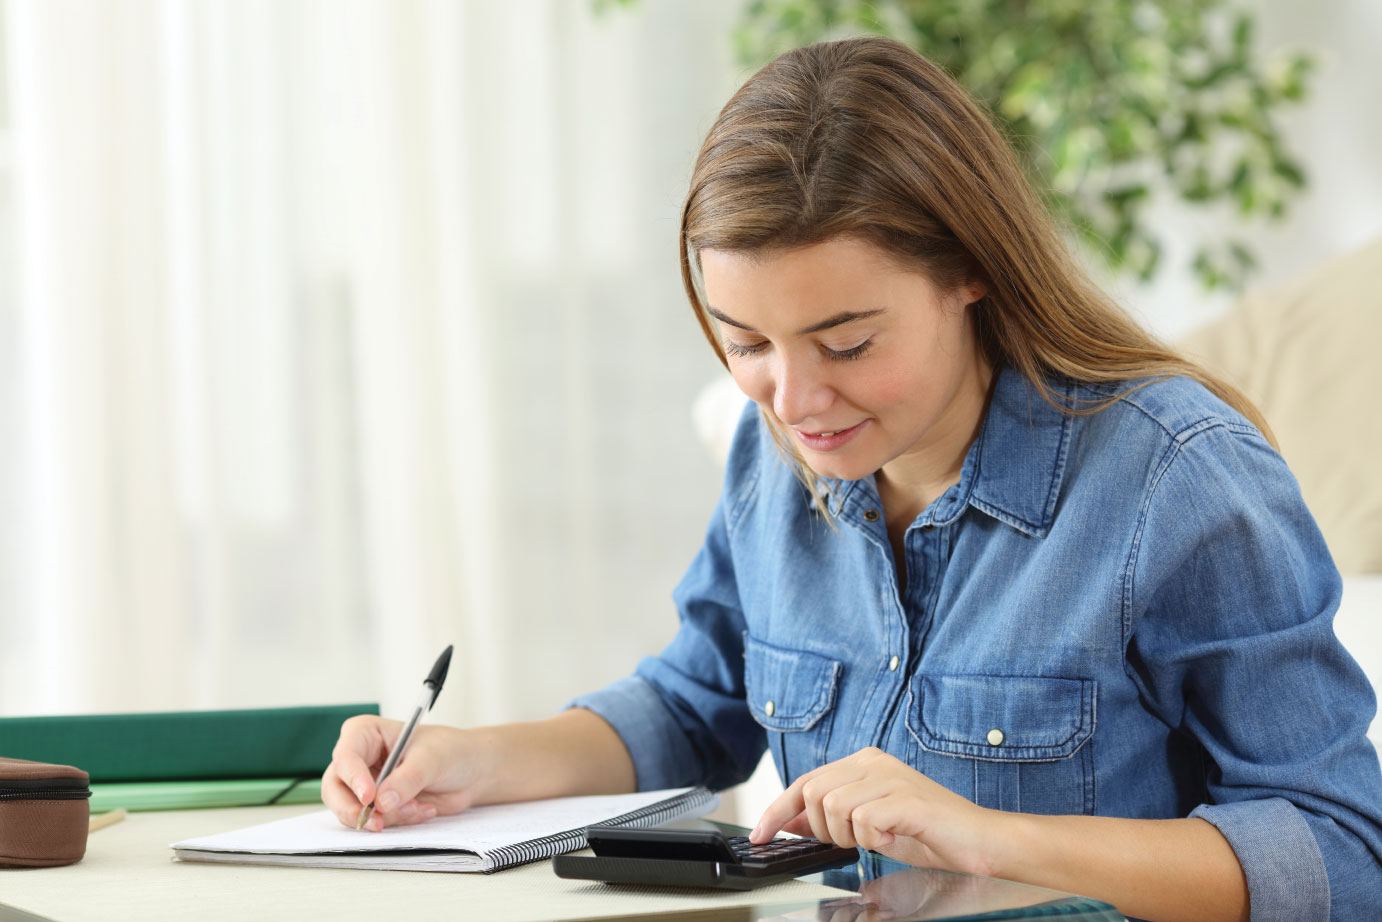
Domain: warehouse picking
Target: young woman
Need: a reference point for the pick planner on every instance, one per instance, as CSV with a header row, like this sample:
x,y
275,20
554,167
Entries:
x,y
1004,585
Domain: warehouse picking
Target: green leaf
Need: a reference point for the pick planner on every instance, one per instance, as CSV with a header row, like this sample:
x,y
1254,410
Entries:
x,y
1290,171
1242,35
1123,197
1242,255
1199,188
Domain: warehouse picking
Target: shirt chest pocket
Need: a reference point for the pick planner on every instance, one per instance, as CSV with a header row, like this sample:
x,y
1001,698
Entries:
x,y
791,694
1019,743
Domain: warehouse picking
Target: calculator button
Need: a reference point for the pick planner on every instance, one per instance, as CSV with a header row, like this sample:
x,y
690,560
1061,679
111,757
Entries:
x,y
775,850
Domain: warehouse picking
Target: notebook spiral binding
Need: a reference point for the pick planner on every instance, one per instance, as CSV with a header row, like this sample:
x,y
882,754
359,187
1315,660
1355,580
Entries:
x,y
560,843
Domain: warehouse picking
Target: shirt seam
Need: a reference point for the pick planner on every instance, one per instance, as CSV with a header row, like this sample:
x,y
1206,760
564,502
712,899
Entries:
x,y
1176,443
739,507
1187,431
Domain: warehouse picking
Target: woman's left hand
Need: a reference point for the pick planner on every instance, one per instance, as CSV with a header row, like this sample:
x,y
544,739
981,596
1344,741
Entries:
x,y
874,801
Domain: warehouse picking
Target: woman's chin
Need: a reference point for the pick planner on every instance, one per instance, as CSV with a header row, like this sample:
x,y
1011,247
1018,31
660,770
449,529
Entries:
x,y
837,469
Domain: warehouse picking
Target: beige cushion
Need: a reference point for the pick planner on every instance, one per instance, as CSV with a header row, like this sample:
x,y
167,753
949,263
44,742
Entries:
x,y
1307,355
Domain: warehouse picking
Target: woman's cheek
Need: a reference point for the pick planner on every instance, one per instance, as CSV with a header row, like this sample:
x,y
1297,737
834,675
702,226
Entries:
x,y
753,381
880,391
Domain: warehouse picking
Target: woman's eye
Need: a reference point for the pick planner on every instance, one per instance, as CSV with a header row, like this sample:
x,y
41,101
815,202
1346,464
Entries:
x,y
739,349
845,355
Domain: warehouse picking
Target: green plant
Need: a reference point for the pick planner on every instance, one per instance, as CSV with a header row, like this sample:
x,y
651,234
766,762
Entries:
x,y
1109,104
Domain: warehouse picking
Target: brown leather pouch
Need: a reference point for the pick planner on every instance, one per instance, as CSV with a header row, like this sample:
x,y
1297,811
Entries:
x,y
44,812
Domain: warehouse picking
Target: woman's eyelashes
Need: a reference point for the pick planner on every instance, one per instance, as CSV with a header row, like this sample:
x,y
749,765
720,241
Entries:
x,y
845,355
742,350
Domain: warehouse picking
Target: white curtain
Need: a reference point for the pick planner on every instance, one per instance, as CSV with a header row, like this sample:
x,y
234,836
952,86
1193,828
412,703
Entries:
x,y
335,332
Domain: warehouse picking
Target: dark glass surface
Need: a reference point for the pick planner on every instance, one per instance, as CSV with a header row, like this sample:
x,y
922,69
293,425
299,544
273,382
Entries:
x,y
877,888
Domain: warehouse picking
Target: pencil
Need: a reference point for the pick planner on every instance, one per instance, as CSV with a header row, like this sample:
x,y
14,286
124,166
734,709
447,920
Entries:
x,y
102,820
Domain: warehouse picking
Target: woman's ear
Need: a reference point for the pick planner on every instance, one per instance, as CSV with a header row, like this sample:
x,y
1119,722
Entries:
x,y
974,291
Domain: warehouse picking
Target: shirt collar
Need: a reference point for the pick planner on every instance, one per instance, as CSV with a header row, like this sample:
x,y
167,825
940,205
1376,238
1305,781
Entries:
x,y
1012,472
1018,460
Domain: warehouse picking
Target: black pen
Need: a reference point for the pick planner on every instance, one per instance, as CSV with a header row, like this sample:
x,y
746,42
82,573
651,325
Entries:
x,y
431,687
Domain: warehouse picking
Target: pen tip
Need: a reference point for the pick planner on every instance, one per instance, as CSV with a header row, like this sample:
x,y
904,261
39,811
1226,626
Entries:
x,y
363,819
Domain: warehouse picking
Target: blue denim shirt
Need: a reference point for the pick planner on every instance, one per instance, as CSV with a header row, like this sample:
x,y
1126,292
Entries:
x,y
1137,601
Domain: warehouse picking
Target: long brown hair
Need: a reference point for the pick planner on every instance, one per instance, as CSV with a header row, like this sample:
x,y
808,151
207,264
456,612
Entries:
x,y
866,138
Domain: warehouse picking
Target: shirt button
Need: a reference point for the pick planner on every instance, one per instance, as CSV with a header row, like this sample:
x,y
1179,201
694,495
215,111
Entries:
x,y
892,664
769,708
995,736
871,515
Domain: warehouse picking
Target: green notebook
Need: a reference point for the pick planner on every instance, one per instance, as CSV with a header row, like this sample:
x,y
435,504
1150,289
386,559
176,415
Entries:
x,y
273,743
184,795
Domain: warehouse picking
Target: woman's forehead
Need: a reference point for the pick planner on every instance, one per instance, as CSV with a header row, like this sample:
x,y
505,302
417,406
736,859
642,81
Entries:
x,y
848,264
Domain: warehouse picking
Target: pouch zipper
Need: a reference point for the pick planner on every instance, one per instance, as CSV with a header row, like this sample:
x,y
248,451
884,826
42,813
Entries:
x,y
44,789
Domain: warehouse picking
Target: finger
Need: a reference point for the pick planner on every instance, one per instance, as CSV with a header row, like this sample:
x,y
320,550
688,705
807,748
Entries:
x,y
843,807
364,742
412,813
836,808
805,793
347,783
787,805
337,794
798,825
448,803
339,798
845,910
874,821
850,913
813,793
353,775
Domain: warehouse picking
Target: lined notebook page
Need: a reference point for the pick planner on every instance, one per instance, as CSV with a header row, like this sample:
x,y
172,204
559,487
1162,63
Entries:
x,y
321,840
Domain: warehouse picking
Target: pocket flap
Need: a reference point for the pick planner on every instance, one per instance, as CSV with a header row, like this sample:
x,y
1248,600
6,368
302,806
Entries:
x,y
788,689
1002,718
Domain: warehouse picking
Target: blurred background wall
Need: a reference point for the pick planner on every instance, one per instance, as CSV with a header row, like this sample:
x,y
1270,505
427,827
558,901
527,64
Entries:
x,y
335,332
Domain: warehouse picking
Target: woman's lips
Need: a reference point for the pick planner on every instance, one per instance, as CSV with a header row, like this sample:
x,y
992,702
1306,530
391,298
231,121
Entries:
x,y
828,441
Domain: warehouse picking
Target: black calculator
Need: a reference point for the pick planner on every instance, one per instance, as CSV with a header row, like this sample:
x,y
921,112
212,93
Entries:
x,y
696,855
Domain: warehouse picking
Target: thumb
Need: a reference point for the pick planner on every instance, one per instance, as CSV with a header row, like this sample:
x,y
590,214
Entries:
x,y
410,777
364,740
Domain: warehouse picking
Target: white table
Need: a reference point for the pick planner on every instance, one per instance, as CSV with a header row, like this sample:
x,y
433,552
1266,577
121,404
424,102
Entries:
x,y
129,874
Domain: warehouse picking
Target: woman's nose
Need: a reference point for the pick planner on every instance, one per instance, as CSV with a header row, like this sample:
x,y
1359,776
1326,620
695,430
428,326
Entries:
x,y
800,391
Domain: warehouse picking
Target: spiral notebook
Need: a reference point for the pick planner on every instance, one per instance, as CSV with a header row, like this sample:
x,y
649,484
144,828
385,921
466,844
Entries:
x,y
484,839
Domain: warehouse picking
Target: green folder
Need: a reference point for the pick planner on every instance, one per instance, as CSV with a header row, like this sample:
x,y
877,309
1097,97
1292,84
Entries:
x,y
183,795
274,743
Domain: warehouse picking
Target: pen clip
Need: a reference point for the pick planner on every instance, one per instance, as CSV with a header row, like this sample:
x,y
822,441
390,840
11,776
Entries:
x,y
437,676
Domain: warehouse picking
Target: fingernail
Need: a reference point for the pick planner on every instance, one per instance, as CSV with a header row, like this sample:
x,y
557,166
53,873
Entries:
x,y
428,811
388,802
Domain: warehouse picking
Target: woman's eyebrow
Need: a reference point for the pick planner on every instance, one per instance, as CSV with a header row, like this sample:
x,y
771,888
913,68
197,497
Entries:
x,y
841,318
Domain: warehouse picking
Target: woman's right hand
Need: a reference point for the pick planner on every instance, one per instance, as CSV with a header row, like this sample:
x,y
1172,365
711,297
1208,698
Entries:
x,y
436,775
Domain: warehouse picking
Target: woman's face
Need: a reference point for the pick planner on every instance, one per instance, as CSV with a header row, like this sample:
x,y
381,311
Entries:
x,y
865,363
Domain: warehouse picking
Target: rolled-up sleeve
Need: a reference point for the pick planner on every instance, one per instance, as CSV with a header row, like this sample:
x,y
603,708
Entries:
x,y
683,714
657,741
1231,596
1280,858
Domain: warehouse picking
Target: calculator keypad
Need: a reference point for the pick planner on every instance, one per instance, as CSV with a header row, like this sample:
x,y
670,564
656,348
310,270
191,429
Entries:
x,y
774,850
